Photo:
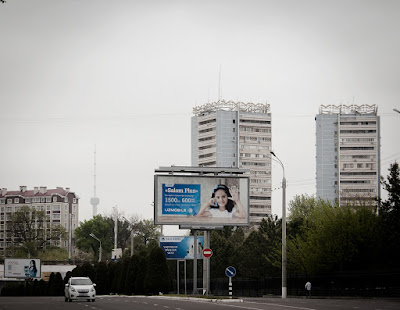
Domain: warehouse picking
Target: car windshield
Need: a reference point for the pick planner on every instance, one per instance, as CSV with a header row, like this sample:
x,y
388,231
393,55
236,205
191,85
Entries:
x,y
81,282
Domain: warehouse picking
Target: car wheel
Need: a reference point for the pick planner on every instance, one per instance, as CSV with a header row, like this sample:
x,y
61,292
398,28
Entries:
x,y
69,299
93,300
66,299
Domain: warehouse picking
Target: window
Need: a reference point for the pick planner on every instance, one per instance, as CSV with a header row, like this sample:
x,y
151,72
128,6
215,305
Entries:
x,y
48,199
42,199
27,200
9,201
2,201
54,198
66,199
9,209
56,208
16,200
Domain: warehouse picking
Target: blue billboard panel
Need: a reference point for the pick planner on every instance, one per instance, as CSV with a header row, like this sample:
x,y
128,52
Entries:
x,y
180,199
181,247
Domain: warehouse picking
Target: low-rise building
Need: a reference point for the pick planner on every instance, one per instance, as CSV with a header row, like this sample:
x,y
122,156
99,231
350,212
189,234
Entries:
x,y
60,205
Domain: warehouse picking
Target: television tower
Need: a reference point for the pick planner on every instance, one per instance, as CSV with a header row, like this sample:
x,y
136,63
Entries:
x,y
94,201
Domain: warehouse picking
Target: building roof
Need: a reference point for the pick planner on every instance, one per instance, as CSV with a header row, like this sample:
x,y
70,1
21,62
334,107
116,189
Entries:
x,y
232,106
349,109
35,193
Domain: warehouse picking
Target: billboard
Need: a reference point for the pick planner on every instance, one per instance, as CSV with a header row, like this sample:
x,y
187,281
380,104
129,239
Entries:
x,y
201,201
22,268
181,247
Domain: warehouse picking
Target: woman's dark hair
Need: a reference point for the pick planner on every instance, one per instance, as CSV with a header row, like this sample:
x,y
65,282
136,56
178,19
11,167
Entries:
x,y
34,265
230,204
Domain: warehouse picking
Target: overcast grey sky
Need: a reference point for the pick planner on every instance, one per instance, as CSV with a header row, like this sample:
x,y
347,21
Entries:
x,y
125,75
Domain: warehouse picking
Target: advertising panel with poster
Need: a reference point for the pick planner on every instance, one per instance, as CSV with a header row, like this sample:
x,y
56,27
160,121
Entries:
x,y
22,268
181,247
205,201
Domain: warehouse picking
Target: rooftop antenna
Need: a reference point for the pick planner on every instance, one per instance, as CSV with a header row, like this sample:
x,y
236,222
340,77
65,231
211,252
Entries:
x,y
219,85
94,201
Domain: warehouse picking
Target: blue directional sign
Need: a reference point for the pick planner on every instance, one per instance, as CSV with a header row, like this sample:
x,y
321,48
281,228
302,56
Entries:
x,y
230,271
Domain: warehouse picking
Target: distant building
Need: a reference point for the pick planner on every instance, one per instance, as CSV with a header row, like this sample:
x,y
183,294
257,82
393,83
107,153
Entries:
x,y
236,134
61,206
348,154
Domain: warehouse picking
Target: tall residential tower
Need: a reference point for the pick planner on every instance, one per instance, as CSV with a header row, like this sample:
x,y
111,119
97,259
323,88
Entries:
x,y
236,134
348,154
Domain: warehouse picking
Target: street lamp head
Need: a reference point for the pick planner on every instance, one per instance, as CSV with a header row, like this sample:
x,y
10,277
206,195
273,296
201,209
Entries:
x,y
273,153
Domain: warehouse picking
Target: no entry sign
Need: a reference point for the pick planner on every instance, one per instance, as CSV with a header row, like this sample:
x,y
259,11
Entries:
x,y
207,253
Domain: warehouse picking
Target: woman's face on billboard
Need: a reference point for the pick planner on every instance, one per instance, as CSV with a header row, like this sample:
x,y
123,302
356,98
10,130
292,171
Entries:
x,y
221,198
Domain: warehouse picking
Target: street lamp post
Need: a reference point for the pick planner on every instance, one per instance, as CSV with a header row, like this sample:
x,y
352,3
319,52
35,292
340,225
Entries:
x,y
284,277
100,250
132,235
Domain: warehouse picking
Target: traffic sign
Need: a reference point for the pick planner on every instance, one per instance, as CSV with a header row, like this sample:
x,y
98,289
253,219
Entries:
x,y
207,253
230,271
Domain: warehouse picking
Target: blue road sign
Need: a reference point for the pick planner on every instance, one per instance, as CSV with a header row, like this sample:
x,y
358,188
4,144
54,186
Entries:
x,y
230,271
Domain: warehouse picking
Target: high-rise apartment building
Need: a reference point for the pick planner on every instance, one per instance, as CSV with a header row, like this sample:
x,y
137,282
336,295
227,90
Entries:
x,y
348,154
61,207
238,135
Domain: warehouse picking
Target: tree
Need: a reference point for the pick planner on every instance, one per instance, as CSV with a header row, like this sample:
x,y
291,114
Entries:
x,y
333,238
32,229
392,186
390,217
101,278
146,230
157,276
102,228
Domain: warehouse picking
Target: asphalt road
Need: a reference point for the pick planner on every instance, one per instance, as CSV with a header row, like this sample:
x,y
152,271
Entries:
x,y
166,303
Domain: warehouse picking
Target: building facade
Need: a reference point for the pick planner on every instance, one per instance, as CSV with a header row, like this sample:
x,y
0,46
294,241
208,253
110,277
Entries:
x,y
236,135
348,154
61,207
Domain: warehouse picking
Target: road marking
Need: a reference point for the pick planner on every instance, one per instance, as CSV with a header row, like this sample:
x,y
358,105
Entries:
x,y
269,304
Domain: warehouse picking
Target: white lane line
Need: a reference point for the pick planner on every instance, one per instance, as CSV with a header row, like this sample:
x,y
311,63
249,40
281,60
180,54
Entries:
x,y
269,304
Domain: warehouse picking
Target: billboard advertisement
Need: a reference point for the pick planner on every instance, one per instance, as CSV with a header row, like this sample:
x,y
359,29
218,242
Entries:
x,y
181,247
22,268
201,201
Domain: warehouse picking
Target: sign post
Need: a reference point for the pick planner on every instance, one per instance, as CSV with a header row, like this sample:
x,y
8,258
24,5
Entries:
x,y
230,272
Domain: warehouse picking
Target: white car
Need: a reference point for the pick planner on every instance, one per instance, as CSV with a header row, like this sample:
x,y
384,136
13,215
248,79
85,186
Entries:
x,y
80,288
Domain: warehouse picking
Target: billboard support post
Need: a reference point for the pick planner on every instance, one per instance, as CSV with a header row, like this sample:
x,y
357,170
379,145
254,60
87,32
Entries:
x,y
205,287
177,274
195,247
208,264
